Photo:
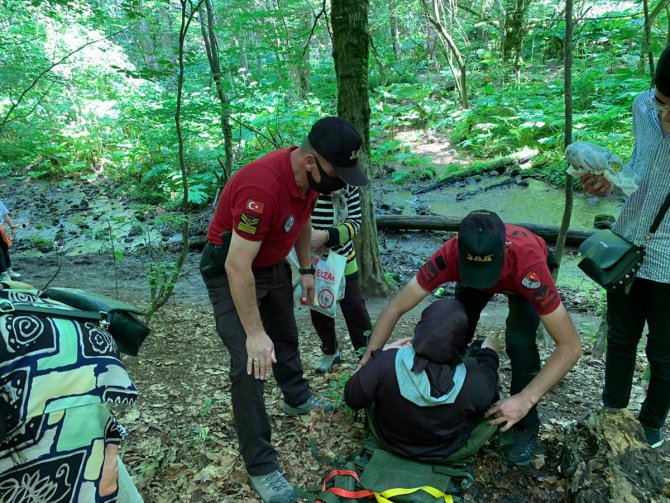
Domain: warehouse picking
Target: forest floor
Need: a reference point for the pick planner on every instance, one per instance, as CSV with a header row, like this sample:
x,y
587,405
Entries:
x,y
182,444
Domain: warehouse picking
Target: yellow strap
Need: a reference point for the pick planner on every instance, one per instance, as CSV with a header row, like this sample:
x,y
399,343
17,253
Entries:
x,y
384,496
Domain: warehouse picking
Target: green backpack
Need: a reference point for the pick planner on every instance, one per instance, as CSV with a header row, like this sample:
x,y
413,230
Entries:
x,y
375,474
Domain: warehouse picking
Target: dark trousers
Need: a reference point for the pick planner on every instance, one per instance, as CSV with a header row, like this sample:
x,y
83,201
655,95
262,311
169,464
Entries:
x,y
274,295
626,315
520,340
5,262
355,315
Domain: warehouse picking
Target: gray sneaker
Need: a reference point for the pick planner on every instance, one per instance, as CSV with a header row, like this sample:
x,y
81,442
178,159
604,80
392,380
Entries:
x,y
4,276
273,488
312,403
13,274
326,361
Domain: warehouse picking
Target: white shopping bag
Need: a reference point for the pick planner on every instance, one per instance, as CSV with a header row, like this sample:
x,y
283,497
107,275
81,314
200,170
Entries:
x,y
329,281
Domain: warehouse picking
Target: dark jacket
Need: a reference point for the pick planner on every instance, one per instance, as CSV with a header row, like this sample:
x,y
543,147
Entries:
x,y
413,422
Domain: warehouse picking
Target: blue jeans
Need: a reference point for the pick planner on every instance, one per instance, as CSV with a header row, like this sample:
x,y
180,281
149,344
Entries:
x,y
648,301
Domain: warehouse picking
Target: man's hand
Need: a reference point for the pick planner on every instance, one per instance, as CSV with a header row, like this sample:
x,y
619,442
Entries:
x,y
596,185
510,411
493,342
318,239
260,355
308,288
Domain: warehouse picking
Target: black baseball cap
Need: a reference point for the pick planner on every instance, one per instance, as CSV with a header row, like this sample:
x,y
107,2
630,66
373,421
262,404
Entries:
x,y
481,249
338,142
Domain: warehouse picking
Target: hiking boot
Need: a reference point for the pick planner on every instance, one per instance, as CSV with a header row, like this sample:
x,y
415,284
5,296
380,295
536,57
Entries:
x,y
326,361
273,488
13,274
4,276
654,436
523,447
311,404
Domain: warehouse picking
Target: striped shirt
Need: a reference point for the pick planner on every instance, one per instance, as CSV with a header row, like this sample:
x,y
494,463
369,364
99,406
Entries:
x,y
340,214
651,164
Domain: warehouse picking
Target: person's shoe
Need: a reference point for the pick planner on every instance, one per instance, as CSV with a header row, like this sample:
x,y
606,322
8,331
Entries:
x,y
273,488
523,447
4,276
312,403
654,436
13,274
326,361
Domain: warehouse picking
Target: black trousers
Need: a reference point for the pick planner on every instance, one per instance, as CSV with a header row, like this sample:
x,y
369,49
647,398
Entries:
x,y
274,295
648,301
5,262
520,340
355,315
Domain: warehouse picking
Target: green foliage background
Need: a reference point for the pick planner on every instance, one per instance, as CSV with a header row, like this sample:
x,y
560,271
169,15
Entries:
x,y
108,109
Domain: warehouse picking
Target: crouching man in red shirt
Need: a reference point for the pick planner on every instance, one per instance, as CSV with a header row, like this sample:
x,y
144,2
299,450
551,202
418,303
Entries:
x,y
485,258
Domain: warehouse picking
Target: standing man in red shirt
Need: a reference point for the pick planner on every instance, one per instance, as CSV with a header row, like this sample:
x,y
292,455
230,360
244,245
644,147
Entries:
x,y
263,212
485,258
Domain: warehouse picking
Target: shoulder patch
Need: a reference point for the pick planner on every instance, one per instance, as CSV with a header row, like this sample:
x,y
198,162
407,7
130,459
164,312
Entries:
x,y
248,223
428,272
531,280
254,206
545,296
518,233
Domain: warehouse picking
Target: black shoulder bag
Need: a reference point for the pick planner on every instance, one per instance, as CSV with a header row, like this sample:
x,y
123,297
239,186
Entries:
x,y
612,261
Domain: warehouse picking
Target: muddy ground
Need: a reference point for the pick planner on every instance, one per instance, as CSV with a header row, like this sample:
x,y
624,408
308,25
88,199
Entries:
x,y
182,444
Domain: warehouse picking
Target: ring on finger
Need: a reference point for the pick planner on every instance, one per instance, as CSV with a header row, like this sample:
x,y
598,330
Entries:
x,y
256,361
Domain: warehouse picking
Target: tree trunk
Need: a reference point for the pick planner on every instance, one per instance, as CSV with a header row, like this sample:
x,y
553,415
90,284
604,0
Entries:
x,y
351,46
569,187
513,32
549,233
207,25
606,458
395,31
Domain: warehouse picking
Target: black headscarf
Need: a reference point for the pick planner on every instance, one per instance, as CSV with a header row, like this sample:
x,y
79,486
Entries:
x,y
440,340
662,76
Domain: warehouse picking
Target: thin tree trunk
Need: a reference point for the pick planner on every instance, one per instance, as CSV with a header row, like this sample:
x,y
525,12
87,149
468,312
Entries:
x,y
395,32
569,189
207,24
351,46
646,46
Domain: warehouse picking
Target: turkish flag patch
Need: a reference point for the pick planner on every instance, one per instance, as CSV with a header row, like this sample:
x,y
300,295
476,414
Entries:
x,y
531,280
254,206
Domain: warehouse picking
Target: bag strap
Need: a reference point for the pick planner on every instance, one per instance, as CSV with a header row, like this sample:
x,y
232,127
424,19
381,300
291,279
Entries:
x,y
384,497
7,307
660,215
344,493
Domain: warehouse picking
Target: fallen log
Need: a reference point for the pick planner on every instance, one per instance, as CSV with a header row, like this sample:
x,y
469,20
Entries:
x,y
500,165
605,458
439,223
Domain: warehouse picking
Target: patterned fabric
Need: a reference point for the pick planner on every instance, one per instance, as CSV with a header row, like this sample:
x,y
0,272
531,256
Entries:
x,y
651,164
57,374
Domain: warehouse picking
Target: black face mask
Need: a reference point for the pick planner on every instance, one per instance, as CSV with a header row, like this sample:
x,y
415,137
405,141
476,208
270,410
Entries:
x,y
327,184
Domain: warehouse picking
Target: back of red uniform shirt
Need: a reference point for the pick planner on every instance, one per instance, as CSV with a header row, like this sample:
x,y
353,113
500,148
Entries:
x,y
525,271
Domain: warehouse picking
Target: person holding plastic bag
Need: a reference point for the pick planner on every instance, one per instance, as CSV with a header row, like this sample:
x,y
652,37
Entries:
x,y
336,219
649,296
586,158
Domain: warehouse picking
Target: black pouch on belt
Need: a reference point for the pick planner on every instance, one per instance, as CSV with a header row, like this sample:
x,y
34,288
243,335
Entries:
x,y
213,260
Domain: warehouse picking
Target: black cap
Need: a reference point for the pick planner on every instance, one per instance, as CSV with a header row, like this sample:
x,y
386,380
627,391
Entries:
x,y
662,76
481,249
338,142
441,334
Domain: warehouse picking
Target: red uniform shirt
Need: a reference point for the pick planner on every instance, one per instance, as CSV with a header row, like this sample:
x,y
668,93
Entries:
x,y
525,271
262,202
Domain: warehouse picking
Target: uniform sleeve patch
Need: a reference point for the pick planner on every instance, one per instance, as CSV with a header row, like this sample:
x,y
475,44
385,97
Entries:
x,y
545,296
254,206
531,280
440,263
248,223
428,272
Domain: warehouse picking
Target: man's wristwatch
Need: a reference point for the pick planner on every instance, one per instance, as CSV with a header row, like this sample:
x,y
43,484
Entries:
x,y
311,270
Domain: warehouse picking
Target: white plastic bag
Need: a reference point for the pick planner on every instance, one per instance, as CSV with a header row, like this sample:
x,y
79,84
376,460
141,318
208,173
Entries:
x,y
329,281
585,157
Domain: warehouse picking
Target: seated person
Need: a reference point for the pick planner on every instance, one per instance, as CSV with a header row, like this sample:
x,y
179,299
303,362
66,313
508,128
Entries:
x,y
58,375
426,397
